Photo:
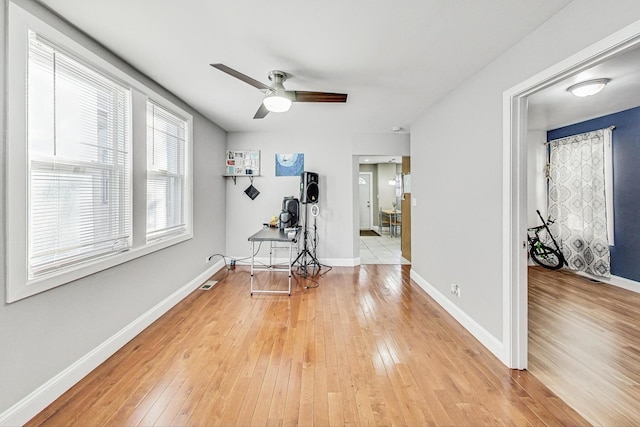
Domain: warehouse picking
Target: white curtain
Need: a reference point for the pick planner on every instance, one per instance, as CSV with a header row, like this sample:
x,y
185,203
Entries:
x,y
578,200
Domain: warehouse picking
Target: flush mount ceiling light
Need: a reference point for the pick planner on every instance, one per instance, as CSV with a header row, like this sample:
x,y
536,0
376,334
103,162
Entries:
x,y
276,103
588,88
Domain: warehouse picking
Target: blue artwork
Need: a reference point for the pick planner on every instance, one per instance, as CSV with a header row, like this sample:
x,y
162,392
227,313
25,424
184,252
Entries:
x,y
289,164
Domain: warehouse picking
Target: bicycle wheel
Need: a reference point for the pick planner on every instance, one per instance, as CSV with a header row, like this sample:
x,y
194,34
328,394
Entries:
x,y
547,257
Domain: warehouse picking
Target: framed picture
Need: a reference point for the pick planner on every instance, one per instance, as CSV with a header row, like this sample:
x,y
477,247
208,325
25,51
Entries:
x,y
289,164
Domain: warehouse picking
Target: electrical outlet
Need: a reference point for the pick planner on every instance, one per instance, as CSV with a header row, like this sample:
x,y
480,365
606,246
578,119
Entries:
x,y
455,290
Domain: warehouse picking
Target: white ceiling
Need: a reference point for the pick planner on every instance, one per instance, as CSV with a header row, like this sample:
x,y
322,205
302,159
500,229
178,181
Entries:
x,y
394,59
554,107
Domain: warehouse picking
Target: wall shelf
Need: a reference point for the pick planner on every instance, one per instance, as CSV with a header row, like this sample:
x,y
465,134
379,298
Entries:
x,y
234,177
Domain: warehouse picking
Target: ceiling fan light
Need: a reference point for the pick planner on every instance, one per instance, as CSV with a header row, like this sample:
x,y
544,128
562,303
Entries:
x,y
588,88
276,103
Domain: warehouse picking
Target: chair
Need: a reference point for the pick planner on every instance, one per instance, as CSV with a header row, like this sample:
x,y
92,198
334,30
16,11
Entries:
x,y
384,220
396,224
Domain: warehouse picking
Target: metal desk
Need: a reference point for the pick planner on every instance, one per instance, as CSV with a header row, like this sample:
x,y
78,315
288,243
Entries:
x,y
272,235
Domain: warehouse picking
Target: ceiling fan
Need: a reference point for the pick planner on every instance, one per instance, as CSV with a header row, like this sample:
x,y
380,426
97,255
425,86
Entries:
x,y
277,99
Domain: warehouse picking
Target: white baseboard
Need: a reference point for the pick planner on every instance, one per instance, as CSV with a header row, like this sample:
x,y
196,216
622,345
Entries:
x,y
488,340
340,262
44,395
621,282
333,262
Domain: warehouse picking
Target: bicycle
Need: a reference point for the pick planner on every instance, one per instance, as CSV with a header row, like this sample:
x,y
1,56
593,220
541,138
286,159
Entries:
x,y
541,251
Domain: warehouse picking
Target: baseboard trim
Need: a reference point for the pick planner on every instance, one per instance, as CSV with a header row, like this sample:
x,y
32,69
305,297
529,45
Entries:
x,y
40,398
486,339
620,282
340,262
333,262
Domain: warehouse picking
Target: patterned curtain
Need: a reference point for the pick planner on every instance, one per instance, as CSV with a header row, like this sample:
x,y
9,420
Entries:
x,y
577,200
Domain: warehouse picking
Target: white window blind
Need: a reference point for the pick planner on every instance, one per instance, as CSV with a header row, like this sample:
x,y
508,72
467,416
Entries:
x,y
166,139
79,172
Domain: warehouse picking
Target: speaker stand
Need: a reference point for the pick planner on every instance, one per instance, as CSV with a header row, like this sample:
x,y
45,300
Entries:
x,y
306,257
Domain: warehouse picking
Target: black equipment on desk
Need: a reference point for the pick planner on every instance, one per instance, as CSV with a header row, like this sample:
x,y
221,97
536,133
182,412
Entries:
x,y
308,187
290,214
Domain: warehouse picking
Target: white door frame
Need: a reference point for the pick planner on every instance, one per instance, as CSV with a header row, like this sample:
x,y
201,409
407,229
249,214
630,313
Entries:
x,y
370,197
514,273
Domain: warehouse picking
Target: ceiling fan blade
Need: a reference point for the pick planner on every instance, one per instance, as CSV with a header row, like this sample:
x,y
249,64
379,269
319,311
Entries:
x,y
262,111
303,96
238,75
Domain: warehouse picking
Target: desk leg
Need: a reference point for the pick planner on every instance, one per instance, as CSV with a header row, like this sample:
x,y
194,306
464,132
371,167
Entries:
x,y
252,261
270,254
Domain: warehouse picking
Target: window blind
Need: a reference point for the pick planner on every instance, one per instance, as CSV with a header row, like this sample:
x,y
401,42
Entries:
x,y
78,150
166,139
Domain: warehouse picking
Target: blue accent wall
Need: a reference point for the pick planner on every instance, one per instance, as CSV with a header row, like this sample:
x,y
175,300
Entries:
x,y
625,255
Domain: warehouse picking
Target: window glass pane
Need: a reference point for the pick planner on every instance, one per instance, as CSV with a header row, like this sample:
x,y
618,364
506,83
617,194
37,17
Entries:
x,y
40,98
166,137
78,155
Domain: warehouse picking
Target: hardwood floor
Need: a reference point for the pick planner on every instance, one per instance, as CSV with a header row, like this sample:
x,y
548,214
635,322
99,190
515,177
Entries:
x,y
366,347
584,344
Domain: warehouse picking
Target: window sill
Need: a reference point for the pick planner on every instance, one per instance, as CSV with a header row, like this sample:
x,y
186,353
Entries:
x,y
17,289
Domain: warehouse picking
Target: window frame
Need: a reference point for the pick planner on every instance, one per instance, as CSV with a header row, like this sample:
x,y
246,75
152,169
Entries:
x,y
60,162
18,283
155,172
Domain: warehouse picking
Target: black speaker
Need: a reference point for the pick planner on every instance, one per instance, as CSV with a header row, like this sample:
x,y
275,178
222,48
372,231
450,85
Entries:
x,y
308,187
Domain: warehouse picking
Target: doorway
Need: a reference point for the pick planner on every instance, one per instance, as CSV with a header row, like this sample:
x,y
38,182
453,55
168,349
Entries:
x,y
515,149
519,200
366,199
380,192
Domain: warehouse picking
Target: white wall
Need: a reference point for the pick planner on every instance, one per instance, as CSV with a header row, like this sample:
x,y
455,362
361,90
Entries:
x,y
536,181
44,334
456,156
386,192
334,158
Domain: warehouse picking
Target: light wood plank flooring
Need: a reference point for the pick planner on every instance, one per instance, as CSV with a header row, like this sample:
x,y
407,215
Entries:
x,y
584,344
366,347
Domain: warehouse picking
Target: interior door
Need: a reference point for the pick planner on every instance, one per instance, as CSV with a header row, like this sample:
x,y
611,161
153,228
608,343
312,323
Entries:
x,y
365,200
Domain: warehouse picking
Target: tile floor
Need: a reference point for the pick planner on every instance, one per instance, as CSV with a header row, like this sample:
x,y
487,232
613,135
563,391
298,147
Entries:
x,y
381,250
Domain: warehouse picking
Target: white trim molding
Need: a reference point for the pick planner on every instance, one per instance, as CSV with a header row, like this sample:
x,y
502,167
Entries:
x,y
332,262
481,334
48,392
620,282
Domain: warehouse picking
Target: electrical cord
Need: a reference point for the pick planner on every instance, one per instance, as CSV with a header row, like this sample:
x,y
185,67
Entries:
x,y
224,258
317,284
314,245
234,260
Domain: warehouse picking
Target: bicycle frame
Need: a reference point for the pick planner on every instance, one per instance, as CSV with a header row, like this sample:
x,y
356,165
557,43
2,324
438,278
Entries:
x,y
535,240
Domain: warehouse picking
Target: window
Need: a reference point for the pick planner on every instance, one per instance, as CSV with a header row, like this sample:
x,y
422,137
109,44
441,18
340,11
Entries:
x,y
84,191
580,169
166,137
78,144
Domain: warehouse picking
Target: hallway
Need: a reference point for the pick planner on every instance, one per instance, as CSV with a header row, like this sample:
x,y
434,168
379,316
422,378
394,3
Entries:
x,y
381,250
